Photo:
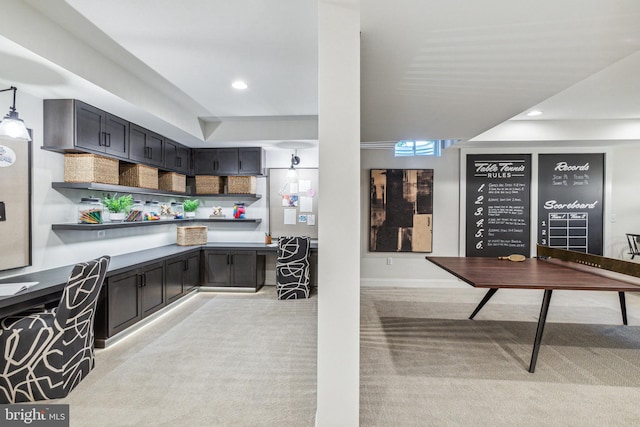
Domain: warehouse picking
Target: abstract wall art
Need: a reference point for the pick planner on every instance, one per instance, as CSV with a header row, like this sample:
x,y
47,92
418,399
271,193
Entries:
x,y
401,210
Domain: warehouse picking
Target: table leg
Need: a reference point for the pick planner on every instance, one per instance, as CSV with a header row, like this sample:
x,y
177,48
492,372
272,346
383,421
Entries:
x,y
486,298
546,299
623,307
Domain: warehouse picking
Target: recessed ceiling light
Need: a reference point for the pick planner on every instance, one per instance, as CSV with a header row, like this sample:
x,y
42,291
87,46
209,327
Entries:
x,y
239,84
534,113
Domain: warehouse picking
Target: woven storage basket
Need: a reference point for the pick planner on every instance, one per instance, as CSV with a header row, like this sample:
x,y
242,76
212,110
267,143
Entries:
x,y
191,235
134,175
90,168
241,185
206,184
171,181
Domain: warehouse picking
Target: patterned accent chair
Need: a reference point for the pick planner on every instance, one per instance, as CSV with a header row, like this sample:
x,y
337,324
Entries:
x,y
292,267
47,353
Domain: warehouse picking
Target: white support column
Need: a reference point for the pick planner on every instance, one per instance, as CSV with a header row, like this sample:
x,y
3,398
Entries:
x,y
339,214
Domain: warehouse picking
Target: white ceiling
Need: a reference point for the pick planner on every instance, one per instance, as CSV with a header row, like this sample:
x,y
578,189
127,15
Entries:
x,y
430,68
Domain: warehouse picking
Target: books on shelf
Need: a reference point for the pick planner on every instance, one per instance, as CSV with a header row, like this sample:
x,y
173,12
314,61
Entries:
x,y
7,289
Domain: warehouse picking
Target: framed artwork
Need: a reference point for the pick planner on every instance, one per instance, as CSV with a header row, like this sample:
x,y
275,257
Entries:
x,y
401,210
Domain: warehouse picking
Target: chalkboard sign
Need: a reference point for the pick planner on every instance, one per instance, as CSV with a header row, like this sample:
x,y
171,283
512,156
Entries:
x,y
570,201
498,205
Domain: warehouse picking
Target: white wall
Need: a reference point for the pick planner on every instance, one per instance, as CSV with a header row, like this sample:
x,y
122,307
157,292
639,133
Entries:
x,y
624,216
411,269
53,249
622,208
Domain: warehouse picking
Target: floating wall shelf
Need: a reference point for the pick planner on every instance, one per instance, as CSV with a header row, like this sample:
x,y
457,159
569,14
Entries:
x,y
112,225
94,186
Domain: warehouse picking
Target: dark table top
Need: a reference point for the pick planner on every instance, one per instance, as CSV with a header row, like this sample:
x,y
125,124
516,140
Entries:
x,y
52,281
534,273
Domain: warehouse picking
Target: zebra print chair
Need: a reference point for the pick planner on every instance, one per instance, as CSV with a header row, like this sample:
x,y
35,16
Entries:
x,y
47,353
292,267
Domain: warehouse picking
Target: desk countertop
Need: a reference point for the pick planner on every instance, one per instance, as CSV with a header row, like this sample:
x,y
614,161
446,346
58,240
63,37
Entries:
x,y
52,281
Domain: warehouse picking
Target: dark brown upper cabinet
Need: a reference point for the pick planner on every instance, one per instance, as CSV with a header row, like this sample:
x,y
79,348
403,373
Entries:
x,y
177,157
71,126
146,146
229,161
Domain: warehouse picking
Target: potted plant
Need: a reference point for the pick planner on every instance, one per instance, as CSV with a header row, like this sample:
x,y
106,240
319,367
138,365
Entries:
x,y
117,206
190,207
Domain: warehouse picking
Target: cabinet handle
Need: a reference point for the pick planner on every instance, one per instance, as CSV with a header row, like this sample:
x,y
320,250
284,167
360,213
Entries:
x,y
140,276
228,259
150,153
240,164
186,265
108,140
101,136
144,279
178,162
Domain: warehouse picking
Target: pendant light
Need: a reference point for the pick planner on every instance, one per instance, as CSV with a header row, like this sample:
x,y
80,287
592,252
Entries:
x,y
295,161
11,125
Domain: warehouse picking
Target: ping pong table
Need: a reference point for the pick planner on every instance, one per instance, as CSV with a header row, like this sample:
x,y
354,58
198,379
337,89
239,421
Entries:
x,y
553,269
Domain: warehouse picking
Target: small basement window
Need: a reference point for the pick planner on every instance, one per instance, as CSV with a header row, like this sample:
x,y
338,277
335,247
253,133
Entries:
x,y
431,147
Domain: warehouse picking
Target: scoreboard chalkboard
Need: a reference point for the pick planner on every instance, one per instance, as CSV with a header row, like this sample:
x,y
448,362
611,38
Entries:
x,y
570,201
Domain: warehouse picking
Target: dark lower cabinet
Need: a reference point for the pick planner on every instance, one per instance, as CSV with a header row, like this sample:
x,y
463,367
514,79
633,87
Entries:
x,y
127,298
182,275
244,269
130,296
152,294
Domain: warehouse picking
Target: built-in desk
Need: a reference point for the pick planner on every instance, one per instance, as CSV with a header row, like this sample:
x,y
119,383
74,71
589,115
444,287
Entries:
x,y
52,281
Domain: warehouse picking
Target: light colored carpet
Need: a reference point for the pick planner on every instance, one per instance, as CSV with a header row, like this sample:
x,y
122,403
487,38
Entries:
x,y
423,363
250,360
217,360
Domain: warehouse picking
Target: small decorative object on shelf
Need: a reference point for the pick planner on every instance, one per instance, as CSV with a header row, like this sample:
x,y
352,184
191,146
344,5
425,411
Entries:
x,y
118,206
217,212
89,211
190,206
136,213
151,211
238,210
165,212
267,238
177,210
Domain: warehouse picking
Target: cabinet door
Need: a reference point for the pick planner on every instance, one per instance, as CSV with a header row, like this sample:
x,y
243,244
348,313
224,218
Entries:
x,y
152,288
177,157
170,155
204,161
173,278
155,147
124,303
90,127
185,164
243,269
137,143
191,277
116,136
227,161
145,146
217,268
250,161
